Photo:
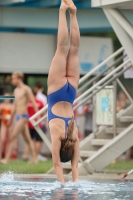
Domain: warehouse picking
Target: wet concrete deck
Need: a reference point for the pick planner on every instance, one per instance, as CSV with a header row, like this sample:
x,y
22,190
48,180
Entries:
x,y
89,176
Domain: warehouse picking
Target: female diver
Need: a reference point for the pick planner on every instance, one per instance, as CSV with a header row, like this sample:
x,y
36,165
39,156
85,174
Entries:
x,y
62,84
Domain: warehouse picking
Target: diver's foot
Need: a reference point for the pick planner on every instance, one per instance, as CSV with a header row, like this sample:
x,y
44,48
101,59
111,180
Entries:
x,y
71,6
4,161
63,6
33,161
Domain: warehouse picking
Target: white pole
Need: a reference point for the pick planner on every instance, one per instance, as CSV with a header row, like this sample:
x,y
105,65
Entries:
x,y
121,19
39,113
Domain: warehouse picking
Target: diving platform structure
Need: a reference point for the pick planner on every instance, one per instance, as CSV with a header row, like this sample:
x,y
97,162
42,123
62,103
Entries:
x,y
122,26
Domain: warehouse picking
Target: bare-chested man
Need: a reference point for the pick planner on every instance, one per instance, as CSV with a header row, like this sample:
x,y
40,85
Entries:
x,y
22,95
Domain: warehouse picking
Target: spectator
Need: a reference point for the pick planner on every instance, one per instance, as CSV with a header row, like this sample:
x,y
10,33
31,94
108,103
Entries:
x,y
22,95
6,108
79,117
5,84
34,135
42,97
123,103
80,121
88,119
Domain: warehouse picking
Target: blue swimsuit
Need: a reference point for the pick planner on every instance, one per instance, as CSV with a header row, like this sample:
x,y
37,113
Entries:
x,y
67,93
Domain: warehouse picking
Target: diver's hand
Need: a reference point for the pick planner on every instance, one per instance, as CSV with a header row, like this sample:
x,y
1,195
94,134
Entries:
x,y
62,185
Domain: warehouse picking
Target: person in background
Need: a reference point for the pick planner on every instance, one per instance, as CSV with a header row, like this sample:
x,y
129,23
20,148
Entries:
x,y
40,89
88,119
6,108
37,140
22,94
79,117
5,84
123,103
80,121
43,98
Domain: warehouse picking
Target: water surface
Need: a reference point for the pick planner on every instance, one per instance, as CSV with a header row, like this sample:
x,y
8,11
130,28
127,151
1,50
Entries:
x,y
47,189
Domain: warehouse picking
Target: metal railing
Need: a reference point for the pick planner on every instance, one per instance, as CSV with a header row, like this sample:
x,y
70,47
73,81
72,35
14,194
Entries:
x,y
95,78
102,81
114,72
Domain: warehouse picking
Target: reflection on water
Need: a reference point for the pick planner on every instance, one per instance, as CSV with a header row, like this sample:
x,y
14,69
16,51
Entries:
x,y
47,189
62,194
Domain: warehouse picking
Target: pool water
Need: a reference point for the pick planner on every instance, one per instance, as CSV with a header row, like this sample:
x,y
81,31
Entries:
x,y
47,189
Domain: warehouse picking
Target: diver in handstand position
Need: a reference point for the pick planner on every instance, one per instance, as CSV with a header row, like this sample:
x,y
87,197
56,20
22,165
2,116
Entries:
x,y
62,84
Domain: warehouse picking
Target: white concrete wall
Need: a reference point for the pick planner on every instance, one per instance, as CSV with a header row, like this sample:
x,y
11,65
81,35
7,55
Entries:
x,y
29,53
93,51
33,53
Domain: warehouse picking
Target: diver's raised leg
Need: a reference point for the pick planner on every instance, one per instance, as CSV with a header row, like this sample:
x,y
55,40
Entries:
x,y
57,73
72,58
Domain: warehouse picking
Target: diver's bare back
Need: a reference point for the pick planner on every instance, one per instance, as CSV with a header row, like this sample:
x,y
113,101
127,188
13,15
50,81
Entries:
x,y
21,99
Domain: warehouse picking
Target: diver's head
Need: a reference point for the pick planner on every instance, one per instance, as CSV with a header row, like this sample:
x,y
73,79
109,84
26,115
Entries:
x,y
67,144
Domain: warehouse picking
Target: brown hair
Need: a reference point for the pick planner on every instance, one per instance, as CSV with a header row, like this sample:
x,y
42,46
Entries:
x,y
19,75
34,91
39,85
67,144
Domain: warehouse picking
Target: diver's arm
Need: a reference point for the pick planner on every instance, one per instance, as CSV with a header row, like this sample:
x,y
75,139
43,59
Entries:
x,y
74,162
56,145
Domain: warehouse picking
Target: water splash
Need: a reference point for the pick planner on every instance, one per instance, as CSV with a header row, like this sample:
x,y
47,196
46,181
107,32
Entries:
x,y
7,177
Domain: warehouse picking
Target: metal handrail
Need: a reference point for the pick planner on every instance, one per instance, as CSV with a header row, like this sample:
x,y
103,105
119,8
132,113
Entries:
x,y
39,113
106,83
100,65
101,81
102,73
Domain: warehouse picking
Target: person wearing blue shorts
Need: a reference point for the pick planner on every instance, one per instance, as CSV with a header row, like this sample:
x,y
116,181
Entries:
x,y
22,94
